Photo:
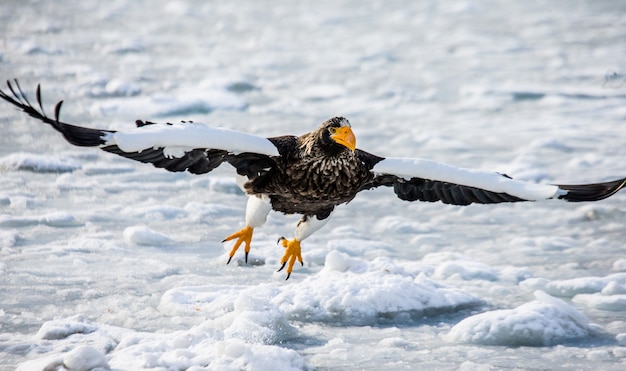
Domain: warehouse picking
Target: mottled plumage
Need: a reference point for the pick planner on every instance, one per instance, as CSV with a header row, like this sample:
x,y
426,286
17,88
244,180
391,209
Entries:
x,y
313,173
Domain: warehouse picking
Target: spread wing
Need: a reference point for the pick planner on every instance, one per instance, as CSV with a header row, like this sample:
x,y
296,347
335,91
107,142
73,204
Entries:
x,y
186,146
424,180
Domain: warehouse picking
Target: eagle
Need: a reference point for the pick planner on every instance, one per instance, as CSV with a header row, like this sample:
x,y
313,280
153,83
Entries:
x,y
308,175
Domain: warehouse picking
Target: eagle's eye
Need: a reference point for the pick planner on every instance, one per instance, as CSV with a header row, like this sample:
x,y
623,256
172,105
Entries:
x,y
332,130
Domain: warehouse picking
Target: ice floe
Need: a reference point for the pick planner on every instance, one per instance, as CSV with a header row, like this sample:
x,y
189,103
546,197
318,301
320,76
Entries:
x,y
545,321
105,88
54,219
38,163
76,344
142,235
574,286
348,290
162,105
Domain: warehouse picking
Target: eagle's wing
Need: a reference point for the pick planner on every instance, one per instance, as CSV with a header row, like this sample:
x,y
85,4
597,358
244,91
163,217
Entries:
x,y
424,180
186,146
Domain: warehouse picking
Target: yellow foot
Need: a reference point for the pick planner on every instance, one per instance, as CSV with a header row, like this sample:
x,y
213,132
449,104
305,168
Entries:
x,y
244,235
292,253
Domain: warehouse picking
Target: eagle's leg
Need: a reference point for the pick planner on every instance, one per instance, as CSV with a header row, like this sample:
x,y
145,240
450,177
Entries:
x,y
257,209
306,227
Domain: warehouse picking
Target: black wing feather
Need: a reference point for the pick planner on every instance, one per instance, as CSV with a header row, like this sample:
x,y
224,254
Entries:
x,y
199,160
77,135
196,161
418,189
592,192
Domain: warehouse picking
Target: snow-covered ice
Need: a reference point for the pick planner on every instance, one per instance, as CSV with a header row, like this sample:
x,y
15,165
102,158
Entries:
x,y
38,163
110,264
545,321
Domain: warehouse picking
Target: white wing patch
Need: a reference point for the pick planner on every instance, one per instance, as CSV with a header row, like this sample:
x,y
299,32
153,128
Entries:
x,y
494,182
180,138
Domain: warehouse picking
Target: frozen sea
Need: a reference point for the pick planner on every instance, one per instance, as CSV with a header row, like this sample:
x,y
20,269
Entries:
x,y
110,264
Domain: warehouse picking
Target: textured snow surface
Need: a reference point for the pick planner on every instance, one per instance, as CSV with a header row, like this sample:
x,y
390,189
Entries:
x,y
110,264
37,163
546,321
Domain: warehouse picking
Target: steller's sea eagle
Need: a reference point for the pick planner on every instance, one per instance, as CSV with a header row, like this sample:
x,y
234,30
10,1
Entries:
x,y
307,175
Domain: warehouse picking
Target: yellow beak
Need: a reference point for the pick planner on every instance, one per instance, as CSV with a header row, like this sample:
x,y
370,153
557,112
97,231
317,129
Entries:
x,y
345,136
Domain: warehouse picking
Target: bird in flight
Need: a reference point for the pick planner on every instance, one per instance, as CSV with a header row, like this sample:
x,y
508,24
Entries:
x,y
308,175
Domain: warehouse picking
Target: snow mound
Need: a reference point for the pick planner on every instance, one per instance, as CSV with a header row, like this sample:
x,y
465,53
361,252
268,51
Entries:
x,y
575,286
244,312
168,105
619,265
101,169
612,297
154,212
59,329
466,270
545,321
257,320
224,185
85,358
144,236
352,291
37,163
347,291
102,88
8,238
455,267
210,345
55,219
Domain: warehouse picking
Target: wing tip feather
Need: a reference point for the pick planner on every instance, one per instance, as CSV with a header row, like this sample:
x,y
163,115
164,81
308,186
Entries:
x,y
591,192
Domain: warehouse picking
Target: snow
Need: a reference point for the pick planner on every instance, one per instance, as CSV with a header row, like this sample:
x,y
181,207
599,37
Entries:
x,y
201,346
142,235
53,330
105,87
575,286
546,321
85,358
55,219
336,294
619,265
38,163
615,302
163,105
106,263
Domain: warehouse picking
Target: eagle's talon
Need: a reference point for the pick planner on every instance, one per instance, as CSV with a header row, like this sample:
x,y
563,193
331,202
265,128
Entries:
x,y
229,259
243,236
293,252
282,267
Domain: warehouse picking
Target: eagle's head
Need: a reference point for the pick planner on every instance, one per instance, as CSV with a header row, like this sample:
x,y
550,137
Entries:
x,y
332,137
335,135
